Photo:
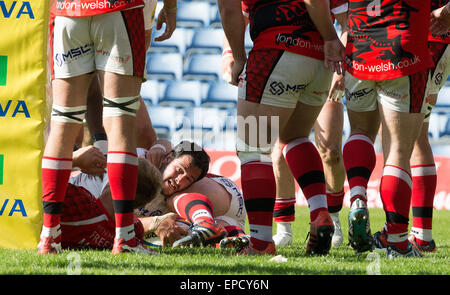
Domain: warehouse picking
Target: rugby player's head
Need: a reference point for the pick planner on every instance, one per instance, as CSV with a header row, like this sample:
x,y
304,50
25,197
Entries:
x,y
149,183
184,165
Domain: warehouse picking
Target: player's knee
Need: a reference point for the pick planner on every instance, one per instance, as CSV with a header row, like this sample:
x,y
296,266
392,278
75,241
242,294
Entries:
x,y
62,114
120,106
332,155
247,153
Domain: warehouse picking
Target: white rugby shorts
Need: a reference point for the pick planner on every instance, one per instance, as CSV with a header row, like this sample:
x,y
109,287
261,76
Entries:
x,y
281,78
111,42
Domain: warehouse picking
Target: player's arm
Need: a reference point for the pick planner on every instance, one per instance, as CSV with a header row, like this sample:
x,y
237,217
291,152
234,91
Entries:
x,y
164,227
233,24
158,151
90,160
227,57
319,11
167,15
440,20
338,84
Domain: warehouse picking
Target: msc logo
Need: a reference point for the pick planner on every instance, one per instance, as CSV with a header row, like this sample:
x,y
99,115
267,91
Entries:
x,y
18,107
357,94
61,58
278,88
16,10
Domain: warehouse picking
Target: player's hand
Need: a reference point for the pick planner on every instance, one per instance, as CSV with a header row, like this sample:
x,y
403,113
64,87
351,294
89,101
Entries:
x,y
169,17
236,71
334,53
227,66
337,88
440,21
155,155
168,231
90,160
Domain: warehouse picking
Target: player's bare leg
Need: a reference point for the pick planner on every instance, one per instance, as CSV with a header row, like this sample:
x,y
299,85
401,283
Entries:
x,y
399,132
306,166
423,171
284,212
359,155
121,101
69,107
328,138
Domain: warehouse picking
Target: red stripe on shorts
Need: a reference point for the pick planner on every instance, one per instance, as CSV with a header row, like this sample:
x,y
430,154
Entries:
x,y
134,22
260,65
417,87
50,54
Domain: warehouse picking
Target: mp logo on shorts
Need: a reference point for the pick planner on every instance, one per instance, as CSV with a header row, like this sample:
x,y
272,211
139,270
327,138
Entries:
x,y
278,88
3,69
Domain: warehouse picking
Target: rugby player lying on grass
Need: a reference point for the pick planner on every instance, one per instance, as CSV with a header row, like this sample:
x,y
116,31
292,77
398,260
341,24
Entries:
x,y
210,202
88,208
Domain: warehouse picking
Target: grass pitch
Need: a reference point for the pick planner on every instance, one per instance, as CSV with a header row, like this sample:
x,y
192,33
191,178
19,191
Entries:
x,y
210,261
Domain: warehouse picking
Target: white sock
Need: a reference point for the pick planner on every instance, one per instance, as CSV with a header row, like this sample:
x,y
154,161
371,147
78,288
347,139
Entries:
x,y
284,228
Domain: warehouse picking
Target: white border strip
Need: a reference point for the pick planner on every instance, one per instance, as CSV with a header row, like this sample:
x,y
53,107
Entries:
x,y
56,164
423,170
122,158
294,143
399,173
86,221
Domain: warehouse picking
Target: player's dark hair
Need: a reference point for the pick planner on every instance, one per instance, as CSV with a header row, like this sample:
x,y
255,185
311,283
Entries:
x,y
200,158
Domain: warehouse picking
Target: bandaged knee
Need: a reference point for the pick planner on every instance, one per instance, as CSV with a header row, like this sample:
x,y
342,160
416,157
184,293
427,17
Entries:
x,y
68,114
116,107
247,153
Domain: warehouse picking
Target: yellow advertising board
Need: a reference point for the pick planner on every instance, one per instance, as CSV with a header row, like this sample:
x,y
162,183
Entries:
x,y
23,78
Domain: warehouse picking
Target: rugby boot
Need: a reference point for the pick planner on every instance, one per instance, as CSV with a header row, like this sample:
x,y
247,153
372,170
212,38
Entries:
x,y
49,245
282,239
411,251
133,246
430,247
202,233
250,250
238,243
359,234
380,240
337,238
320,234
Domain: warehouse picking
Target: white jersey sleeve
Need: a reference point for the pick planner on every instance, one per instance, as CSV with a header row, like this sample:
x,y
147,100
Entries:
x,y
94,184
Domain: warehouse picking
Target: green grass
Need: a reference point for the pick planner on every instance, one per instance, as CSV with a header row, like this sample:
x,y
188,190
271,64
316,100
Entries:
x,y
209,261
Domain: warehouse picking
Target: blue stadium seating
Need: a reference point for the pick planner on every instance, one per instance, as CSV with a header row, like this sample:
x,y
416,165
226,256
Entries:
x,y
221,95
248,40
165,120
150,92
176,43
446,129
443,100
195,82
203,67
164,66
206,41
215,21
206,119
182,94
193,14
